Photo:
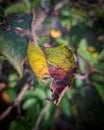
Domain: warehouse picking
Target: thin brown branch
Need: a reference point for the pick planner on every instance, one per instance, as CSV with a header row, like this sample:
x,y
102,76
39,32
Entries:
x,y
18,100
40,117
60,5
6,112
38,19
82,77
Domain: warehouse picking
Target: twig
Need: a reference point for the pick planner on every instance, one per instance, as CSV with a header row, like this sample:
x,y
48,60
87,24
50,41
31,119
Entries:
x,y
18,99
82,77
40,117
60,5
37,20
35,25
6,112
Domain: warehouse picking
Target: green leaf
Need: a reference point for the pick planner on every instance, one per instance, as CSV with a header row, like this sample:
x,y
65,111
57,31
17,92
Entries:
x,y
16,8
13,47
39,92
12,79
2,58
61,40
101,56
42,40
28,94
36,3
57,55
27,4
100,90
20,124
16,126
66,107
29,103
82,50
65,12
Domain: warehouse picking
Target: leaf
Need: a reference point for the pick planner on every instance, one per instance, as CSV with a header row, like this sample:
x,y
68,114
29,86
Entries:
x,y
20,123
100,90
12,46
40,93
62,66
60,56
37,61
55,33
5,97
16,8
28,103
66,106
65,12
12,78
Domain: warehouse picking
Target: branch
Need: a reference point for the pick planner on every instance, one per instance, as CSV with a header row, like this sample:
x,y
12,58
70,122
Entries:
x,y
38,19
60,5
18,99
6,112
40,117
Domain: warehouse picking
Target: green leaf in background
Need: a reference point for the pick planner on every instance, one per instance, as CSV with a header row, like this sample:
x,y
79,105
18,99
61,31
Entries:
x,y
2,58
27,4
12,79
100,64
61,40
66,106
100,90
28,94
12,46
101,56
20,124
65,12
40,93
16,8
29,103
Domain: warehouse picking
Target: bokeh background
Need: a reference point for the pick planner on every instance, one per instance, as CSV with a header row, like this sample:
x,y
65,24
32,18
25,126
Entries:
x,y
78,24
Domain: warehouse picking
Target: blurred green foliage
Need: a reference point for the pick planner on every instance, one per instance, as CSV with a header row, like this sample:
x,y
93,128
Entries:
x,y
81,26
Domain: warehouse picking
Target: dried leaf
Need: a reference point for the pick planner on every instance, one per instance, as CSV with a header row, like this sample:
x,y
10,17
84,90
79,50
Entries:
x,y
62,66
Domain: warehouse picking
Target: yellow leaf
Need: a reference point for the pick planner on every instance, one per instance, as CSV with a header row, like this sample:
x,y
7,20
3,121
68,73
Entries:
x,y
55,33
37,61
95,54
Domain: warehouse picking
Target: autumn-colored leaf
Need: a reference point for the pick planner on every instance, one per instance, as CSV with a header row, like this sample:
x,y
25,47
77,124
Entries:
x,y
37,61
5,97
62,66
55,33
